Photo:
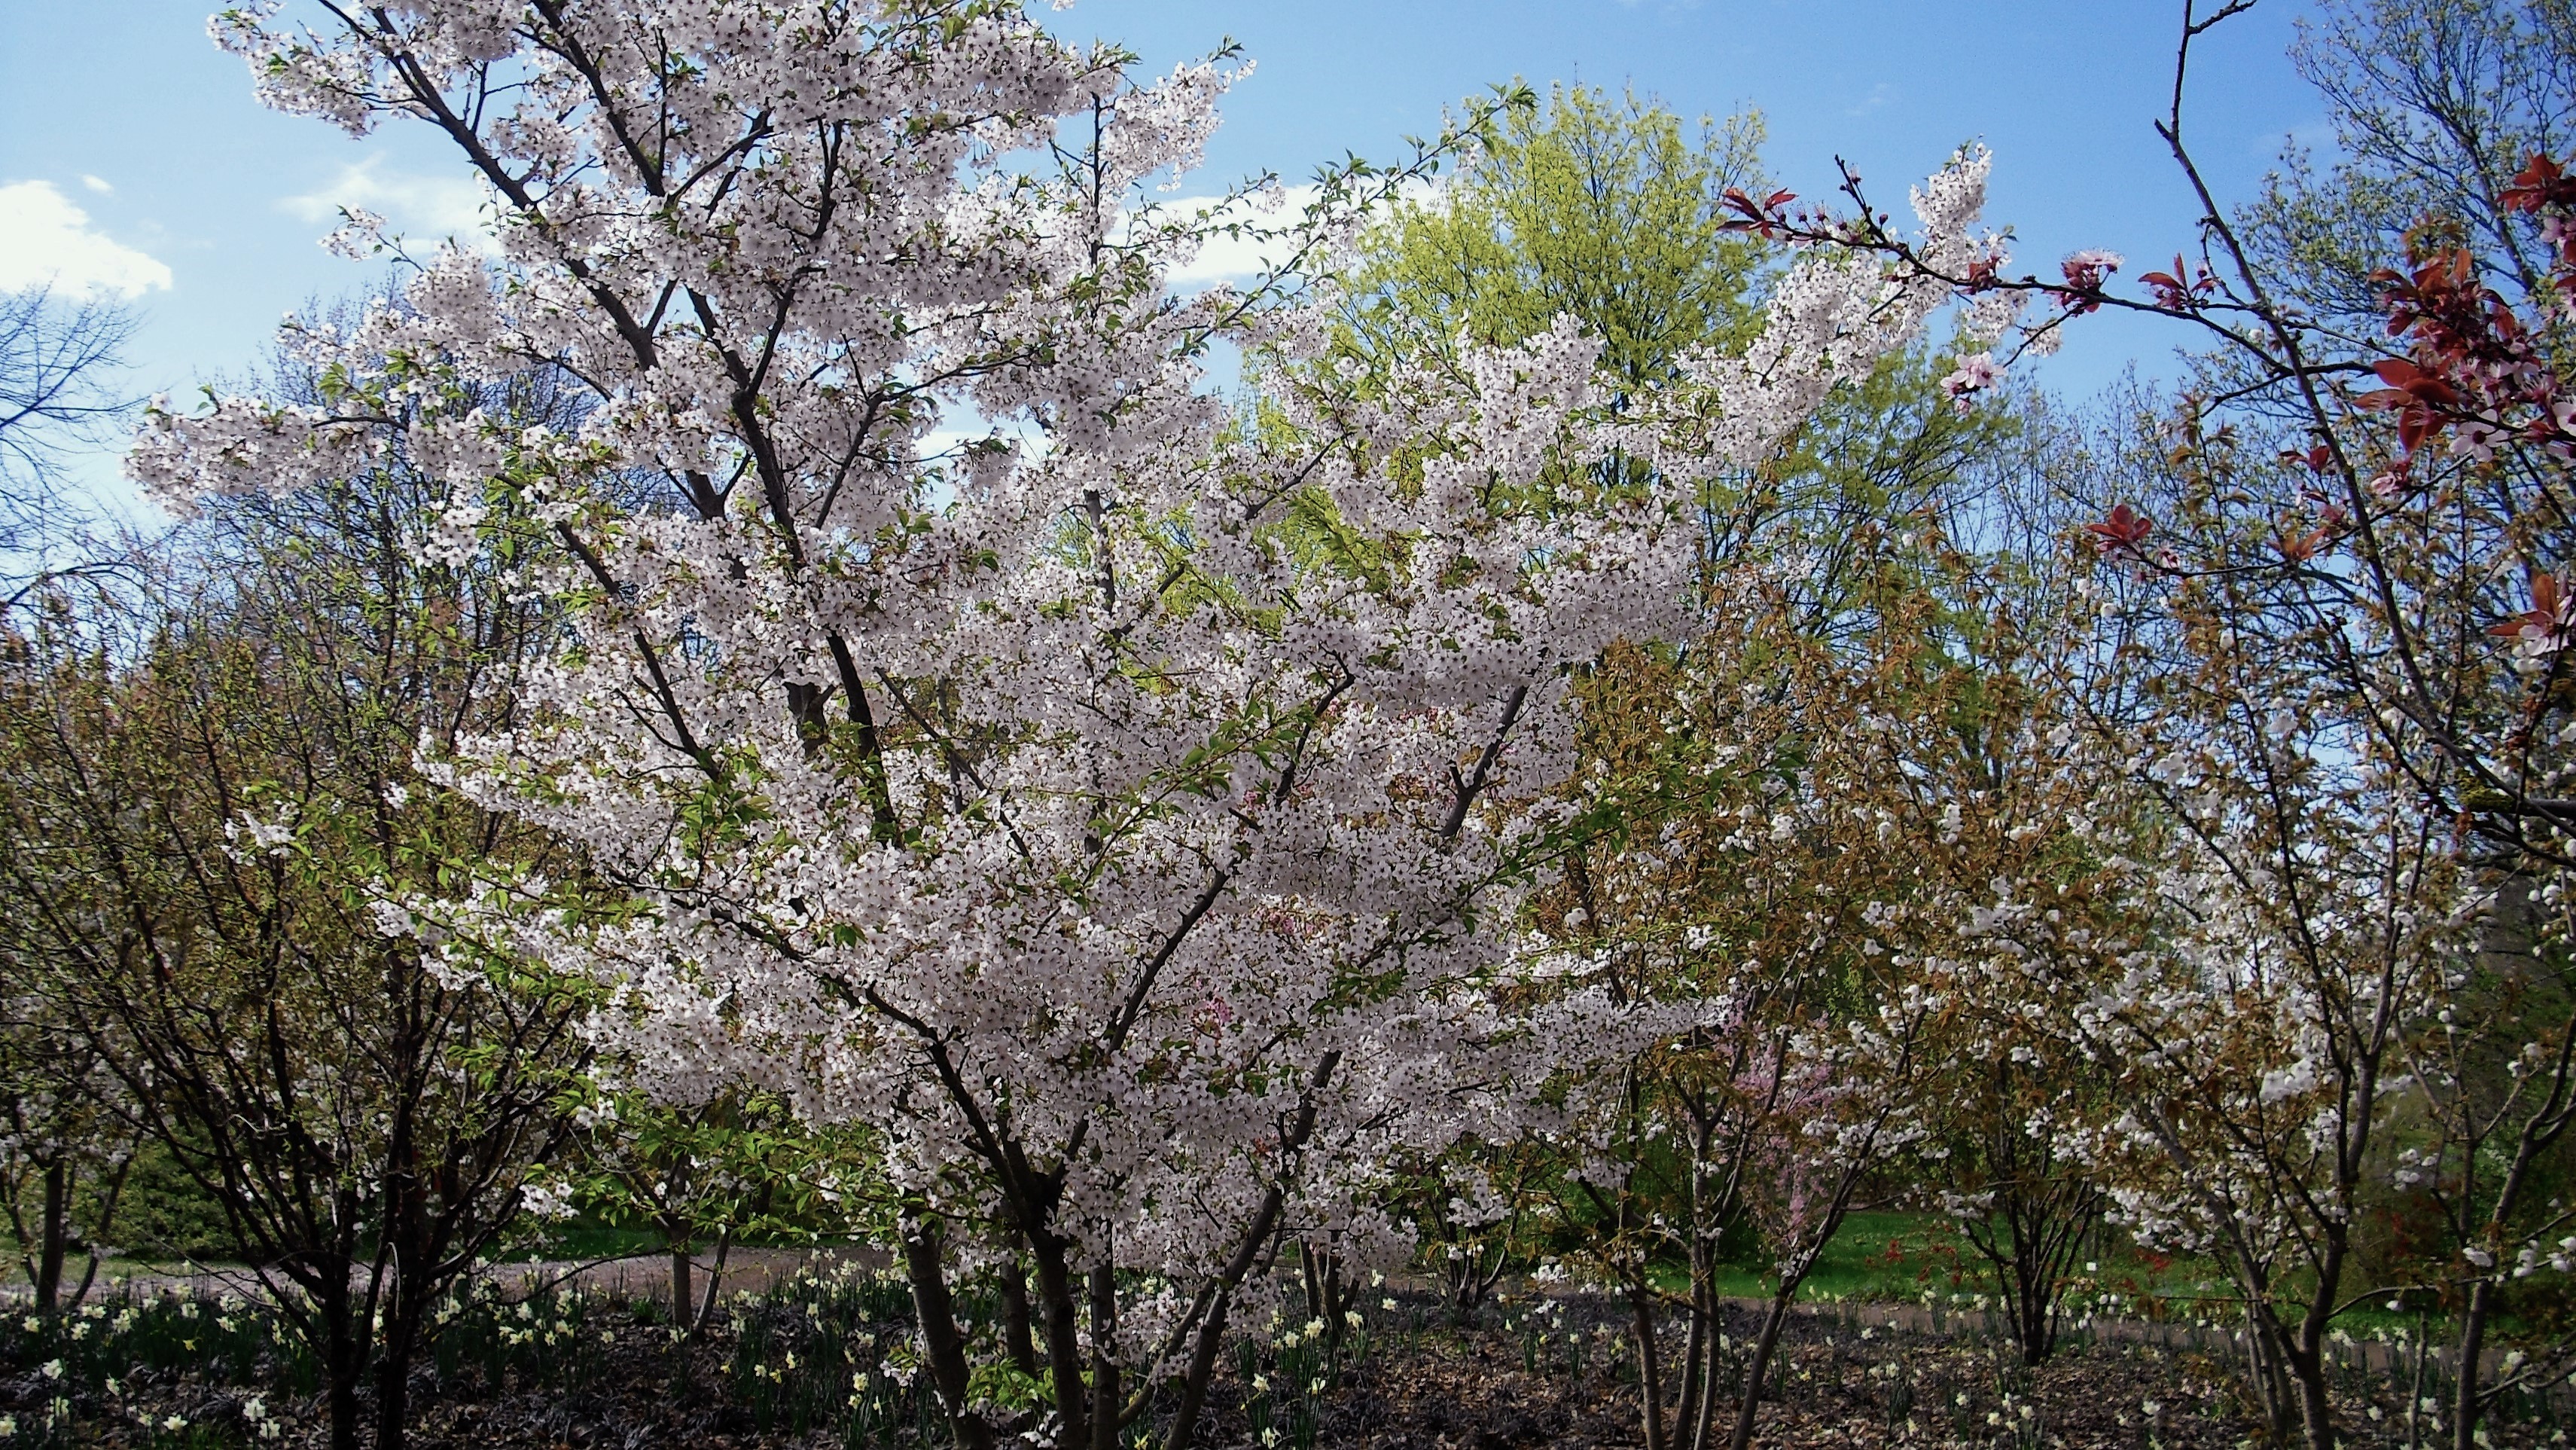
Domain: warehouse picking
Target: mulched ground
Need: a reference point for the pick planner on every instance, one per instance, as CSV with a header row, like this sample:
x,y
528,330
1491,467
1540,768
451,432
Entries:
x,y
1512,1383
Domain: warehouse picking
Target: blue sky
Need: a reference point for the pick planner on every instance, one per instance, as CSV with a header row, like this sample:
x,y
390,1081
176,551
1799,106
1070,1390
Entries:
x,y
132,154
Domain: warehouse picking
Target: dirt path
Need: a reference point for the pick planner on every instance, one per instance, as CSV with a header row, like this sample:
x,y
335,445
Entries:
x,y
746,1270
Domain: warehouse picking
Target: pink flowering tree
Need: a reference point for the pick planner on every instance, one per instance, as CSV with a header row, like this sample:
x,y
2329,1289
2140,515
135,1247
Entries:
x,y
1110,804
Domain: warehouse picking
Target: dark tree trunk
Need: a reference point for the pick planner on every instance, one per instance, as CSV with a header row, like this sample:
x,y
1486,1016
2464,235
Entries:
x,y
684,1299
2467,1397
1106,1392
1699,1342
945,1346
344,1357
401,1339
1019,1339
715,1283
1328,1298
1063,1337
1750,1406
54,1236
1650,1369
1194,1383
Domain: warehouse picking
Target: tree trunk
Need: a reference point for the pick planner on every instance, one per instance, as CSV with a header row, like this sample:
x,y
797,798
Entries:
x,y
1063,1336
401,1337
2037,1325
2316,1411
54,1235
715,1282
684,1299
1751,1405
1701,1433
1321,1275
344,1358
1194,1384
1017,1336
1106,1391
110,1196
1650,1370
1697,1345
1258,1248
2466,1400
944,1347
1328,1297
2305,1354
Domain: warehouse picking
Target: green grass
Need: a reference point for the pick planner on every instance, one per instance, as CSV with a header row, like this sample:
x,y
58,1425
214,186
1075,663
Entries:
x,y
583,1239
1894,1257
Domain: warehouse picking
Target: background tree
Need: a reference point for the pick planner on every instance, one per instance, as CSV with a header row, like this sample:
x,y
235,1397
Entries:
x,y
705,1175
66,1146
221,833
62,1160
59,360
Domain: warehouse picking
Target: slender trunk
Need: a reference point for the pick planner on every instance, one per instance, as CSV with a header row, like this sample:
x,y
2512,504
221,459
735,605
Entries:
x,y
2267,1342
1017,1337
2316,1411
105,1225
2472,1347
1106,1393
2415,1395
1063,1336
936,1313
1258,1249
400,1338
1702,1432
2270,1387
1751,1405
684,1299
675,1235
54,1236
1194,1383
2037,1327
1650,1371
2266,1345
1327,1298
2305,1353
344,1356
1695,1347
404,1234
1699,1384
715,1281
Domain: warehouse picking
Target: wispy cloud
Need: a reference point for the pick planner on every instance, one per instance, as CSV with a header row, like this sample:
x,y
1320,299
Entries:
x,y
442,208
1879,95
1223,258
95,184
45,241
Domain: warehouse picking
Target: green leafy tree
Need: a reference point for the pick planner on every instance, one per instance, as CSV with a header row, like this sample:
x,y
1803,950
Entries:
x,y
708,1174
1606,210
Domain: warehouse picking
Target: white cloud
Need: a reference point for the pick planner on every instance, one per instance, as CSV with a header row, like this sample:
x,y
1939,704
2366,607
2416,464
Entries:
x,y
1234,258
45,241
95,184
442,208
